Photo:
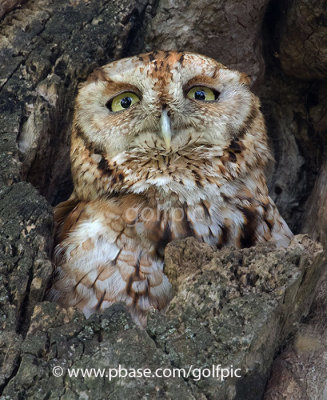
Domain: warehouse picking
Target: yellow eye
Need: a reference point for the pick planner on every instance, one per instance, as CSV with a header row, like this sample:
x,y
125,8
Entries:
x,y
202,93
123,101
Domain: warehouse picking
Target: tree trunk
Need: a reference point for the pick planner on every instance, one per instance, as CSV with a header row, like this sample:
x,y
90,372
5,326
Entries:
x,y
47,48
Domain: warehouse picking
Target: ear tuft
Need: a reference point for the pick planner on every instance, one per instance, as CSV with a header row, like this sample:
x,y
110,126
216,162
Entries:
x,y
245,79
98,74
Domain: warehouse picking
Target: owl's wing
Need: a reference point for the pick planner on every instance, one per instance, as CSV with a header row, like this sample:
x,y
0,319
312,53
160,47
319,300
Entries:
x,y
106,257
273,227
62,218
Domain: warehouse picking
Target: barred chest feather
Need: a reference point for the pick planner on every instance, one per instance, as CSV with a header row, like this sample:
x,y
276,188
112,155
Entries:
x,y
112,249
164,145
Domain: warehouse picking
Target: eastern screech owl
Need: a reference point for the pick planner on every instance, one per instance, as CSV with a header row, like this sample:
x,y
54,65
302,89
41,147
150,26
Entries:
x,y
164,145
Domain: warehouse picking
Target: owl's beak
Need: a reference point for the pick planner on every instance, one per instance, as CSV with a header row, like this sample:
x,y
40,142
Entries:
x,y
165,128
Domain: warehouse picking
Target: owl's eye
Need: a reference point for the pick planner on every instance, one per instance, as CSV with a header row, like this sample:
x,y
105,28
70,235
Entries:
x,y
123,101
202,93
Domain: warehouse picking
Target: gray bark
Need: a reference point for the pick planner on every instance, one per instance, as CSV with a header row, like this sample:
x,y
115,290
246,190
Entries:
x,y
239,316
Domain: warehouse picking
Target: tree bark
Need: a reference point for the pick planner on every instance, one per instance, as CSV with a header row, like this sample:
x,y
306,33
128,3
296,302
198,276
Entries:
x,y
47,48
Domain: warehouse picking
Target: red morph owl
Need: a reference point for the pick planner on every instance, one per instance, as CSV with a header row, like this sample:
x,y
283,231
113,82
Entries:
x,y
164,145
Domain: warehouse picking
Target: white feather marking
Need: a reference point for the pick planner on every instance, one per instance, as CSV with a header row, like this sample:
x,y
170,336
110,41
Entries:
x,y
139,286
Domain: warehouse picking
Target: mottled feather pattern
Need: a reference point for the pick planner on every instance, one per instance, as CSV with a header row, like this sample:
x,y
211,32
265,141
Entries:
x,y
135,190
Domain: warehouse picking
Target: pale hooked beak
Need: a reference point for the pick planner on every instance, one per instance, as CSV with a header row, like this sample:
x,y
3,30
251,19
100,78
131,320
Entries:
x,y
165,128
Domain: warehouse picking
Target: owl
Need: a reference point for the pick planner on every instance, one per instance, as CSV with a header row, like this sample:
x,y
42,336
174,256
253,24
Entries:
x,y
164,145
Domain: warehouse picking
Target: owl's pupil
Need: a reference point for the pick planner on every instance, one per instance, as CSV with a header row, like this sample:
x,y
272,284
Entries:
x,y
126,102
199,95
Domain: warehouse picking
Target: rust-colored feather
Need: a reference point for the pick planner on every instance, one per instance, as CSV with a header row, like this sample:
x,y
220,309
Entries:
x,y
167,165
65,214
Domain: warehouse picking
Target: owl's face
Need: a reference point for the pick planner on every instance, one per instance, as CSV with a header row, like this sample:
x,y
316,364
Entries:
x,y
162,101
164,119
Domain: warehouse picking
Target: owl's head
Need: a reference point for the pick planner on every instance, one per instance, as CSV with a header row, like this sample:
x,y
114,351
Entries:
x,y
160,105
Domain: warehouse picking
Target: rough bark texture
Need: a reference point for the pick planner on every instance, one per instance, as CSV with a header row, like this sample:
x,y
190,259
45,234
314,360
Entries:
x,y
303,44
8,5
300,372
231,307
